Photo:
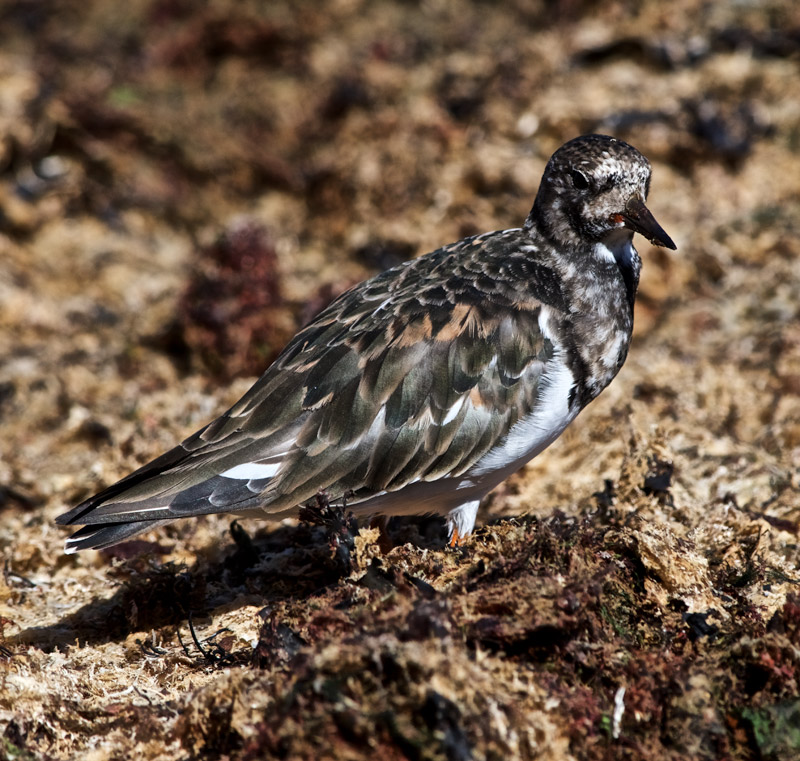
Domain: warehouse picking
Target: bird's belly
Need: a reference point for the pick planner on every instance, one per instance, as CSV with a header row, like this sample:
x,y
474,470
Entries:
x,y
424,497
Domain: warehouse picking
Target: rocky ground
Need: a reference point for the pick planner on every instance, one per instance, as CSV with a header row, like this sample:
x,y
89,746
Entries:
x,y
182,185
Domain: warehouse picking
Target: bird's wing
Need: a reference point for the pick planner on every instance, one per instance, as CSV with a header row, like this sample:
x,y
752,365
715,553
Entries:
x,y
413,375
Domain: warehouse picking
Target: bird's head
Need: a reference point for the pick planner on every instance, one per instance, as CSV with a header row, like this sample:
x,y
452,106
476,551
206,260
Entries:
x,y
594,187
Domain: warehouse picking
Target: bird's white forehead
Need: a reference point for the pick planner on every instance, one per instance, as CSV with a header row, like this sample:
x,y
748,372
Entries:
x,y
605,165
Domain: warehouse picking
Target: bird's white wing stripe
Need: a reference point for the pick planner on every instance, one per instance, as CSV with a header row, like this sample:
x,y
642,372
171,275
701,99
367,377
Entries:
x,y
454,410
252,470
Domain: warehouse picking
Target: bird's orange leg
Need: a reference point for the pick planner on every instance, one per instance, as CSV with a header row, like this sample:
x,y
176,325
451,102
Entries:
x,y
457,539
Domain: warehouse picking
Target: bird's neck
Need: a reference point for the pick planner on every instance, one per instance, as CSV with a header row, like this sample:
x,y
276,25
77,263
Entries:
x,y
555,229
598,281
617,247
552,223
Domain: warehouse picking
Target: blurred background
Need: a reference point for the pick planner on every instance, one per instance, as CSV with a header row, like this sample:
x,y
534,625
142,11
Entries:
x,y
184,184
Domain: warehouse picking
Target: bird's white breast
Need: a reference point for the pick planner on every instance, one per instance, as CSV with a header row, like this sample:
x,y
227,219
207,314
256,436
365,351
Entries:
x,y
617,247
537,430
533,433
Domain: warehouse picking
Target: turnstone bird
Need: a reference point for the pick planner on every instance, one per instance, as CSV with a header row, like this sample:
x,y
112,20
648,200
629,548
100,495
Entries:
x,y
418,391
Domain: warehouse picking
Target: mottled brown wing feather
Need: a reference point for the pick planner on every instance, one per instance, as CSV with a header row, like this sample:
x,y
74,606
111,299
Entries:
x,y
410,376
443,389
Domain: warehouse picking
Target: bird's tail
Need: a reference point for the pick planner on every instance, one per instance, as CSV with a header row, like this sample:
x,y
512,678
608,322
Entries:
x,y
101,535
176,485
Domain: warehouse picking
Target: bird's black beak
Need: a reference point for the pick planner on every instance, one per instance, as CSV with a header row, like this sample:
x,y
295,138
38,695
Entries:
x,y
637,217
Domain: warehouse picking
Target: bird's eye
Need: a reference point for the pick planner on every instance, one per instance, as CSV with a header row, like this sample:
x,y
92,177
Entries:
x,y
579,179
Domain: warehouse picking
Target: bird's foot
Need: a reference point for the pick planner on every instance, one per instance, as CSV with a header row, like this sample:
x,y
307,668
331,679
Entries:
x,y
458,539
